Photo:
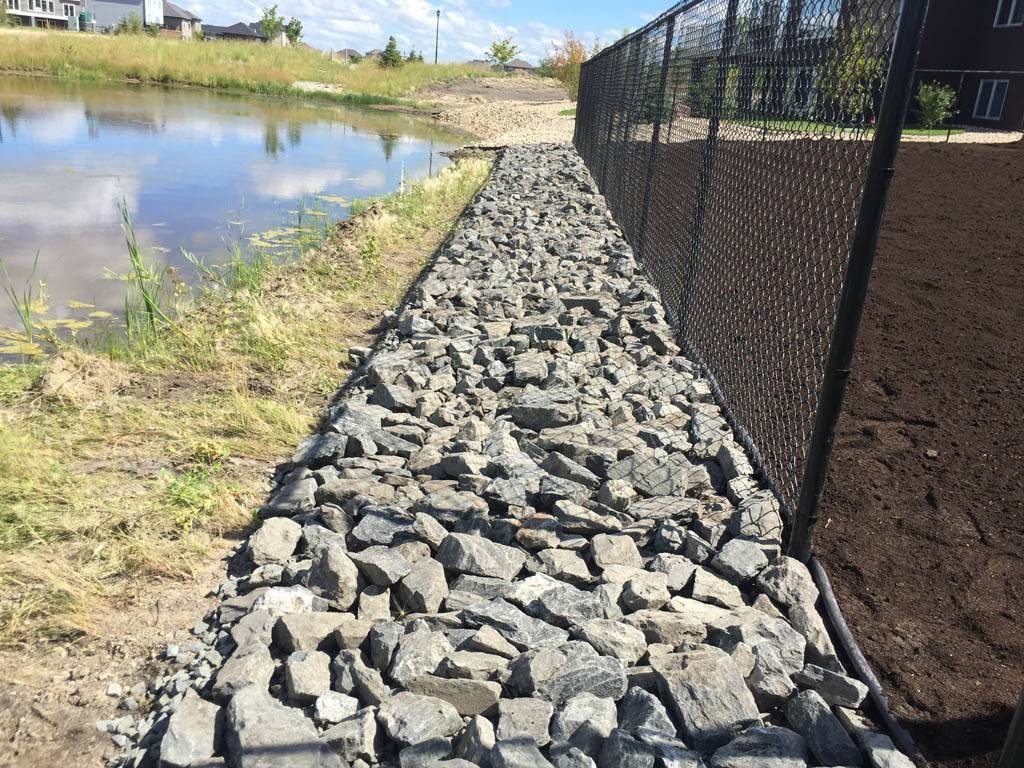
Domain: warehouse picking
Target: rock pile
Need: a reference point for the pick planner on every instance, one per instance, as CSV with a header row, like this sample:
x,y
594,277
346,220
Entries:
x,y
525,538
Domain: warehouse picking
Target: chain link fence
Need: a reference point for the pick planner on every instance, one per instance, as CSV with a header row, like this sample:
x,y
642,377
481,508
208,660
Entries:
x,y
742,146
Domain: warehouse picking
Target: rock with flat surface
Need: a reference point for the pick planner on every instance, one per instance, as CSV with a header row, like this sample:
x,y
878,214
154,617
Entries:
x,y
356,737
424,588
607,550
307,675
826,738
554,601
666,627
709,588
469,697
614,638
464,553
585,721
511,623
334,577
248,666
788,582
706,694
381,565
879,748
739,560
307,631
274,541
420,652
410,718
836,689
640,709
476,740
518,753
647,590
191,732
763,747
261,733
527,717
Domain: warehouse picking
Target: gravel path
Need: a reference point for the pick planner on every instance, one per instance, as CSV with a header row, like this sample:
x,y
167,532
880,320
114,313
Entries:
x,y
525,538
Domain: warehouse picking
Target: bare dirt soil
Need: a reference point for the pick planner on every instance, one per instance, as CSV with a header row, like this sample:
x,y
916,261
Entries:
x,y
52,697
922,530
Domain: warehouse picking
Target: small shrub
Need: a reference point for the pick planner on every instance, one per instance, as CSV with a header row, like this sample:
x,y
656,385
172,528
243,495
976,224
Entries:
x,y
129,25
935,104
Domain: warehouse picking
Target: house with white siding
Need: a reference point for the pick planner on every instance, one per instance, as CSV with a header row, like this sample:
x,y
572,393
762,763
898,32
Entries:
x,y
51,14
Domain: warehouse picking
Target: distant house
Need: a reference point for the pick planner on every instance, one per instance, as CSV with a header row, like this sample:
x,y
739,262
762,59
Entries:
x,y
180,22
520,66
376,53
346,54
107,14
250,32
52,14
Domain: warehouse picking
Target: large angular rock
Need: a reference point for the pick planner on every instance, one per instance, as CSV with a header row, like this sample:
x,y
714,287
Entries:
x,y
469,697
409,718
669,628
606,551
464,553
248,666
307,631
262,733
836,689
585,721
740,560
381,565
640,709
307,675
527,717
709,588
274,541
355,737
652,476
647,590
763,747
191,734
757,517
476,741
420,652
757,630
614,638
554,601
879,748
521,752
621,750
515,626
788,582
334,577
424,588
708,698
539,409
828,741
678,570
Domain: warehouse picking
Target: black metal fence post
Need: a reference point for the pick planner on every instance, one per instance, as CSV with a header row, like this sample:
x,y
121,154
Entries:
x,y
1013,750
896,97
708,164
655,138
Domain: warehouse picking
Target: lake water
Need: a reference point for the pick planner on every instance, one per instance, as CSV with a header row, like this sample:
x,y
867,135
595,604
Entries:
x,y
195,169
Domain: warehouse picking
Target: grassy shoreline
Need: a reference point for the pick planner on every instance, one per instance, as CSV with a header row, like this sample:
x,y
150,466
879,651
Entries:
x,y
224,65
116,470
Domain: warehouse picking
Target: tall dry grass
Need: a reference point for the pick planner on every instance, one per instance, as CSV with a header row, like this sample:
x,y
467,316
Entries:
x,y
219,64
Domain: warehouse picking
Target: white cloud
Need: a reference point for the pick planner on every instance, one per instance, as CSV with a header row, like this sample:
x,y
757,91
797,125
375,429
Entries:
x,y
467,26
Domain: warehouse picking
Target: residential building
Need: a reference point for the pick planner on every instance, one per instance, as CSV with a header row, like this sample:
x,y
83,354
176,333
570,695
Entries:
x,y
519,66
250,32
52,14
179,22
978,49
109,13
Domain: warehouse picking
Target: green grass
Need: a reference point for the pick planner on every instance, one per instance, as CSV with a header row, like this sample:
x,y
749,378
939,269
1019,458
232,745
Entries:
x,y
263,69
117,470
814,127
568,112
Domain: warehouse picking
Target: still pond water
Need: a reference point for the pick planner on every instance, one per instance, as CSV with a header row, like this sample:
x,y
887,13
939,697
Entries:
x,y
196,169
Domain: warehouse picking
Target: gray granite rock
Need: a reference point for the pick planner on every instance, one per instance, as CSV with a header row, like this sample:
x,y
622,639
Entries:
x,y
261,733
191,734
826,738
409,718
463,553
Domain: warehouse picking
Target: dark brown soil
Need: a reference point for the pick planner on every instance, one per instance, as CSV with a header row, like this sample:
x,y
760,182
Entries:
x,y
922,531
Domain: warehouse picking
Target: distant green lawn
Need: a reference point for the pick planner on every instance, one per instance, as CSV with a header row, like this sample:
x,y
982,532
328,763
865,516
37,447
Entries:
x,y
813,126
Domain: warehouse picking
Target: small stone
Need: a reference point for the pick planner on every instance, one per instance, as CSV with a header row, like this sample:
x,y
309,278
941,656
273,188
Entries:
x,y
828,741
409,718
617,494
307,631
879,748
554,601
420,652
374,604
521,630
527,717
250,665
488,640
476,741
757,517
673,629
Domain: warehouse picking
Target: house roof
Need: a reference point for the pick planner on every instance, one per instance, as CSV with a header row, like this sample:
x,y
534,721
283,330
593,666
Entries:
x,y
520,64
241,29
177,12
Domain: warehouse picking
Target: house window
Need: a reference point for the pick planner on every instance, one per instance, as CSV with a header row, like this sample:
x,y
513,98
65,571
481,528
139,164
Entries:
x,y
69,10
1010,13
991,97
12,5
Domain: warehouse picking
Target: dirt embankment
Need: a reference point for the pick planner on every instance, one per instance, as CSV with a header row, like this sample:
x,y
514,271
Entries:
x,y
923,521
508,110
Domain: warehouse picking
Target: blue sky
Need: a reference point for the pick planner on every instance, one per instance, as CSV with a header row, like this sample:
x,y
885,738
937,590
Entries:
x,y
467,26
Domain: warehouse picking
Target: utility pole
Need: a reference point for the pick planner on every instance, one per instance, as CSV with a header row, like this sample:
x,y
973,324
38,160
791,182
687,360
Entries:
x,y
437,34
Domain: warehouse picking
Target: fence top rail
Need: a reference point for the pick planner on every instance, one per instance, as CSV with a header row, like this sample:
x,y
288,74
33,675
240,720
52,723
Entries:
x,y
660,19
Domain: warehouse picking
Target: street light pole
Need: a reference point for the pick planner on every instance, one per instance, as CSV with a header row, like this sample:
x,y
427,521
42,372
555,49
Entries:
x,y
437,34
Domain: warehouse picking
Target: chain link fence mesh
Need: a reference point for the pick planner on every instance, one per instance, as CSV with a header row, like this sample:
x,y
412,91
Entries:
x,y
731,139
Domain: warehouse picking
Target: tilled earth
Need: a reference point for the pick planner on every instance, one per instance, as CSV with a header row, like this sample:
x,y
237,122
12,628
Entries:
x,y
524,537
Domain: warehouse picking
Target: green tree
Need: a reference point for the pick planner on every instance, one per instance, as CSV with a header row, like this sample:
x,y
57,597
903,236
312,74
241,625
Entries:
x,y
935,104
5,20
855,70
413,57
272,23
129,25
502,52
391,57
293,30
546,67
